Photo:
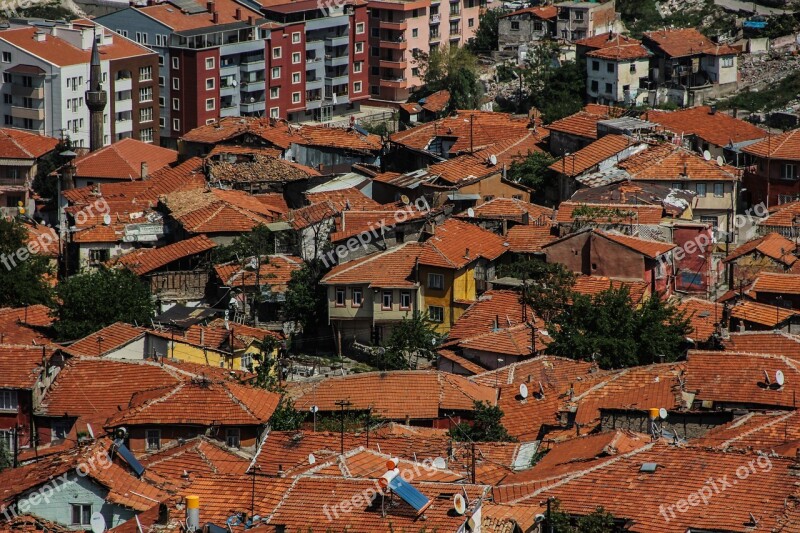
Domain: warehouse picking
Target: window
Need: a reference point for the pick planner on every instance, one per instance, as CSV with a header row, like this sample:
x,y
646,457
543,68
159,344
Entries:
x,y
146,114
146,94
246,363
727,62
209,84
176,84
712,220
274,92
6,57
153,439
161,81
6,98
295,98
340,296
276,73
435,281
537,25
719,190
386,300
701,190
276,52
789,171
146,135
414,32
359,48
514,25
232,437
6,77
376,51
145,73
176,104
274,112
357,87
609,88
8,120
471,23
358,66
610,67
160,61
211,104
595,65
7,438
360,28
59,429
579,15
162,122
295,58
405,300
595,86
81,514
415,72
358,297
633,68
435,313
210,63
8,400
295,77
176,63
176,124
296,37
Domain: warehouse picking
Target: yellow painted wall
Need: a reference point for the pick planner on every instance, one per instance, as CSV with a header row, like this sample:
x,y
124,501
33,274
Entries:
x,y
458,285
496,187
195,354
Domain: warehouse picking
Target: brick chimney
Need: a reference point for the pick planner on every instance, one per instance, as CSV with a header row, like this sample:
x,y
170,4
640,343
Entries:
x,y
143,171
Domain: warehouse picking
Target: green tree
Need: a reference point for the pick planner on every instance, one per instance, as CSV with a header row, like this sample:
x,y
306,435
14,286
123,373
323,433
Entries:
x,y
455,69
23,277
487,426
598,521
609,329
45,183
548,286
259,241
532,170
488,32
306,298
286,417
93,300
411,338
557,88
6,457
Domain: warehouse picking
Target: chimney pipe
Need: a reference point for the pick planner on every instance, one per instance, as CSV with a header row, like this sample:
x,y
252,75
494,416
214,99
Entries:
x,y
215,17
144,170
251,20
712,110
238,15
210,6
192,513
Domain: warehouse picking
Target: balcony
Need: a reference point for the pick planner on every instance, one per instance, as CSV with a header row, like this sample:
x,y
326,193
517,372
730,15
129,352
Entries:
x,y
252,107
27,92
397,83
253,86
123,84
388,63
27,112
337,80
252,66
337,40
13,182
316,83
394,45
337,61
123,126
436,19
395,26
121,106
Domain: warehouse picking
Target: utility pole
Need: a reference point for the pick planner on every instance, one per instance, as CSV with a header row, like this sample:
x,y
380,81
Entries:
x,y
473,462
342,404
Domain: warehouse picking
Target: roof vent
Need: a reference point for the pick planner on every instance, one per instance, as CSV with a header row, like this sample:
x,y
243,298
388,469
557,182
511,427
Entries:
x,y
40,36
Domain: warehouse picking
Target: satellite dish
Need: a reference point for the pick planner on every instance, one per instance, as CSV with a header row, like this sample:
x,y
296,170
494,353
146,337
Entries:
x,y
90,430
98,523
471,213
405,200
720,161
779,378
313,408
459,504
439,463
107,219
662,413
493,160
523,390
706,155
311,459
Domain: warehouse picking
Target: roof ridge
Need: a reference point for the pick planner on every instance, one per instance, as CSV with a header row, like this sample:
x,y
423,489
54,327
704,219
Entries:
x,y
765,425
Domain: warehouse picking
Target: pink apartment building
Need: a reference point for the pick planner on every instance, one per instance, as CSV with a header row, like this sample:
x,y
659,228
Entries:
x,y
399,28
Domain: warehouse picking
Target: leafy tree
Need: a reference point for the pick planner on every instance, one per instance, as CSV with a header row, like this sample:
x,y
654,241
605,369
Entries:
x,y
452,68
45,184
6,457
286,417
22,281
306,298
609,328
415,336
598,521
557,88
93,300
49,11
487,426
548,285
267,376
258,242
532,170
488,32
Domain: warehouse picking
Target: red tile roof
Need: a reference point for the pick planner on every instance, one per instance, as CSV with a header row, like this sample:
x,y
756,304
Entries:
x,y
718,128
542,12
593,285
784,146
648,248
19,144
512,209
20,366
217,211
449,355
581,124
200,456
774,283
179,20
339,138
740,378
462,243
274,132
772,245
108,339
610,213
146,260
275,271
682,42
123,160
480,317
614,46
702,315
353,223
24,325
417,395
516,340
606,147
776,431
310,215
674,163
781,216
768,342
435,102
345,199
364,463
528,239
761,314
393,268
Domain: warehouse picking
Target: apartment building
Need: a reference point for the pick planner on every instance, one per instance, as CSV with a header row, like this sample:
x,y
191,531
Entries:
x,y
399,29
46,74
616,69
578,20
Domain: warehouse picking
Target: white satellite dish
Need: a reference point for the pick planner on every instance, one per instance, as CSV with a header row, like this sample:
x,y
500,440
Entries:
x,y
662,413
706,155
90,430
779,378
107,219
98,523
493,160
471,213
523,390
720,161
313,408
459,504
405,200
439,463
311,459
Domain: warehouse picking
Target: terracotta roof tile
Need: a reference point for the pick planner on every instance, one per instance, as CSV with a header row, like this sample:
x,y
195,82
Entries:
x,y
480,317
608,213
20,144
593,285
589,156
146,260
516,340
25,325
435,102
615,46
249,150
123,160
682,42
512,209
260,169
762,314
581,124
340,138
718,128
470,366
370,464
784,146
462,243
106,340
274,132
275,271
345,199
776,432
648,248
178,20
774,283
542,12
702,315
200,456
217,211
674,163
310,215
418,395
768,342
353,223
772,245
528,239
20,366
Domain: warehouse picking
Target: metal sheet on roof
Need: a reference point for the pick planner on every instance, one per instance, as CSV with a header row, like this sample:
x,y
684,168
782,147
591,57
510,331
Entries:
x,y
189,6
604,177
463,196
